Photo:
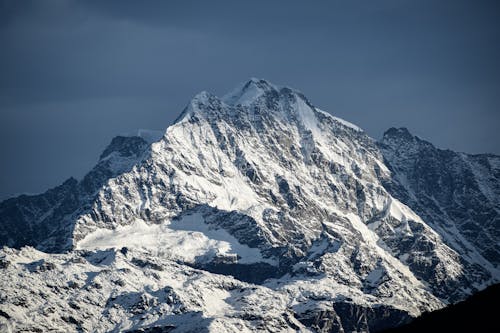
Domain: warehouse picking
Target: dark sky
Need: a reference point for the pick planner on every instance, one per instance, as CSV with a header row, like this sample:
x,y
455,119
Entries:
x,y
75,74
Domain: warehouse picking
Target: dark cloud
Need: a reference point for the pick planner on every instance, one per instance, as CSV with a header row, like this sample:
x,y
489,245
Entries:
x,y
76,73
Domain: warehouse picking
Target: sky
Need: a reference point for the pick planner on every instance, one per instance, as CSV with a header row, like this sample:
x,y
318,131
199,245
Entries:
x,y
74,74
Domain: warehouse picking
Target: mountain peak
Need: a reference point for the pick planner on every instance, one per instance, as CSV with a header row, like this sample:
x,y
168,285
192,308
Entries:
x,y
245,93
402,136
405,142
401,132
124,145
258,96
199,101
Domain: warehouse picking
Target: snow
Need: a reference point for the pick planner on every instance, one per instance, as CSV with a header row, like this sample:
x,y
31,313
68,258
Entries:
x,y
172,294
214,302
246,97
200,98
189,239
247,92
341,121
197,160
402,212
308,118
372,239
478,171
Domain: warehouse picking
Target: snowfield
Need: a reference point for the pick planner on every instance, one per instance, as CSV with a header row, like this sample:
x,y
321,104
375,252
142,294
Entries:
x,y
184,240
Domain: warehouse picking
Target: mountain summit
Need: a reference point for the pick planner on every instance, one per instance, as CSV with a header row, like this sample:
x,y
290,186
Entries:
x,y
248,92
255,211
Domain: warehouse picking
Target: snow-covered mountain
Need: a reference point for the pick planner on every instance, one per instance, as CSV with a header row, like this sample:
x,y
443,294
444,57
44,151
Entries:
x,y
254,212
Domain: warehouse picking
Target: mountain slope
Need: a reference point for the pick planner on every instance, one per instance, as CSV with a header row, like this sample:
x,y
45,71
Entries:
x,y
457,194
263,186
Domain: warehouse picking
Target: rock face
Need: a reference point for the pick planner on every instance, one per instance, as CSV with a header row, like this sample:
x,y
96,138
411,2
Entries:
x,y
294,219
456,193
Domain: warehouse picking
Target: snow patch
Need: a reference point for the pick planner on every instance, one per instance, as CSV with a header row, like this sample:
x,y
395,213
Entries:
x,y
188,239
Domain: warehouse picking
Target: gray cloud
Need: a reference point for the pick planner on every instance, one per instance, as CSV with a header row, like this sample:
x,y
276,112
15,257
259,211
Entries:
x,y
75,74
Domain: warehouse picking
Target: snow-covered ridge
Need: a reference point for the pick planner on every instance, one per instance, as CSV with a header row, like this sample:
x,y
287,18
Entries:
x,y
342,121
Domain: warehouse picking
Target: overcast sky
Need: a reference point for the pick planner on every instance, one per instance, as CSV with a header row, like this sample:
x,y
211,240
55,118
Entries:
x,y
75,74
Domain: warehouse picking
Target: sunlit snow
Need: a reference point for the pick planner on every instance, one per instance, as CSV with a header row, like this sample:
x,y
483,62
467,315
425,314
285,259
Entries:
x,y
188,239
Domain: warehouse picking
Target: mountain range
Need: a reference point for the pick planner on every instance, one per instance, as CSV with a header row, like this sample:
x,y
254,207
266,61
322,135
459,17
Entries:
x,y
256,211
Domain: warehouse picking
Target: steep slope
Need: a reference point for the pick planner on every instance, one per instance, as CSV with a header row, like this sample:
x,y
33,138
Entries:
x,y
263,186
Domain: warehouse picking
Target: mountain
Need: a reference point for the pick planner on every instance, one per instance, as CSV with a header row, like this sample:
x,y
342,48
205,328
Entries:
x,y
256,211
